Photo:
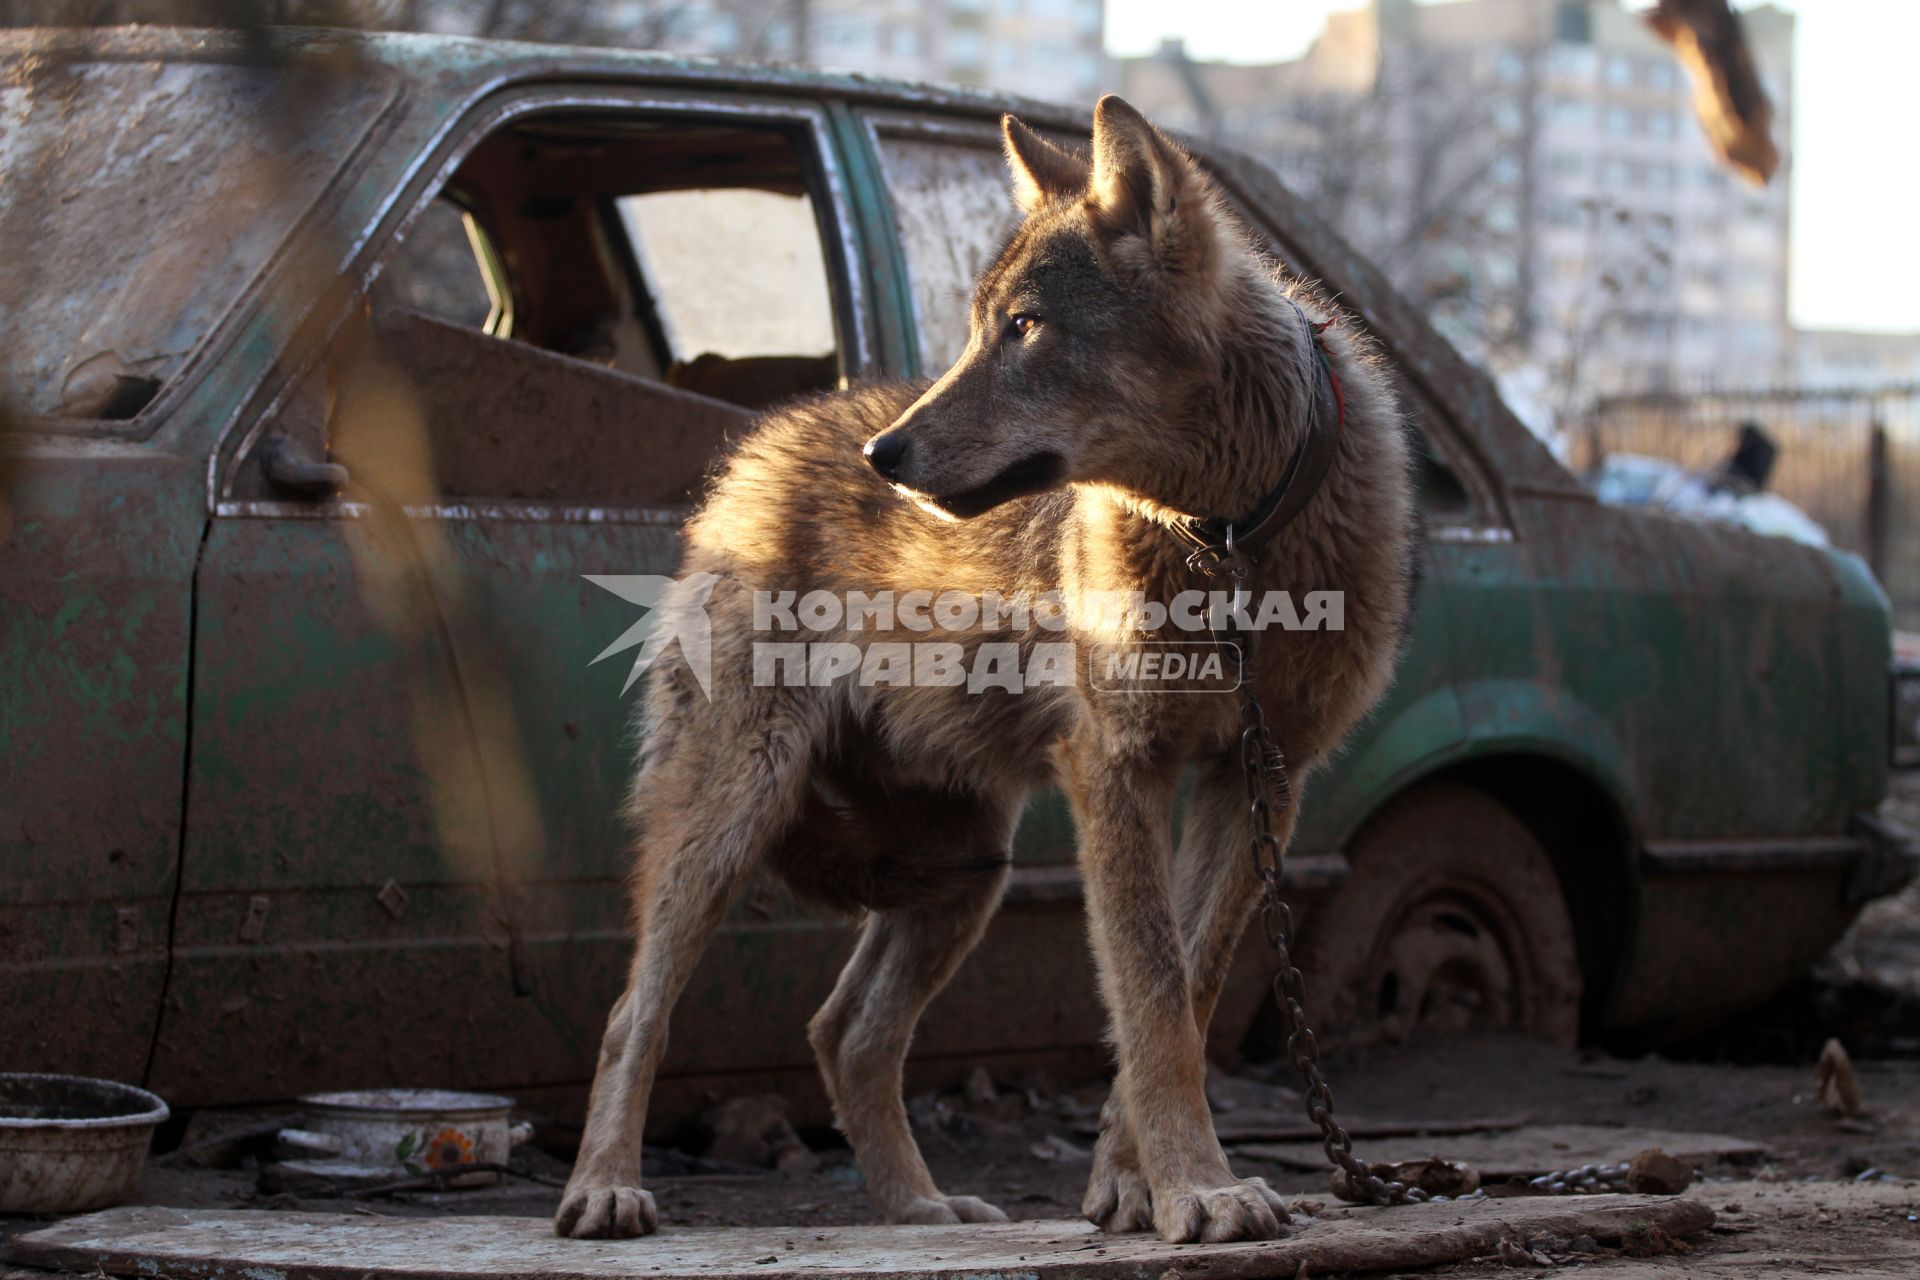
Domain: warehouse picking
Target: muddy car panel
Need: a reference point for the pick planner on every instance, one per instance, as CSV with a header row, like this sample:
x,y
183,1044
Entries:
x,y
95,580
216,763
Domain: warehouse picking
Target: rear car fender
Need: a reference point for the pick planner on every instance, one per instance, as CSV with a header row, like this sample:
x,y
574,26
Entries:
x,y
1411,740
1558,766
1527,717
1511,718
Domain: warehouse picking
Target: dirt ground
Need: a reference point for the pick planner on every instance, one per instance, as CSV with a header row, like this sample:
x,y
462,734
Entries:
x,y
1829,1195
1800,1209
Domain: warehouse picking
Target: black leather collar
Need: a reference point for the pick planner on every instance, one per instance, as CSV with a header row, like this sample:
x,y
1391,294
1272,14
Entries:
x,y
1304,473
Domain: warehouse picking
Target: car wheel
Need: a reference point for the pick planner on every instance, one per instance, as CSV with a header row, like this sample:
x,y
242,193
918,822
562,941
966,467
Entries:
x,y
1451,920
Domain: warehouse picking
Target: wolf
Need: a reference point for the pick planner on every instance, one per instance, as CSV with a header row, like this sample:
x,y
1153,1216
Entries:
x,y
1138,379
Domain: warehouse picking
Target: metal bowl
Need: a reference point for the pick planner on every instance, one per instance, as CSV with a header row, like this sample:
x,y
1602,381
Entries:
x,y
387,1133
70,1143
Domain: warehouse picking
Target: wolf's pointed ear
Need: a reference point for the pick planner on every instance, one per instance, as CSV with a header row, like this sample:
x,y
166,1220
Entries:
x,y
1145,185
1041,171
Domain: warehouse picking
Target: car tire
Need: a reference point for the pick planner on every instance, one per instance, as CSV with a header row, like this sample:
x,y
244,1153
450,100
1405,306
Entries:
x,y
1451,920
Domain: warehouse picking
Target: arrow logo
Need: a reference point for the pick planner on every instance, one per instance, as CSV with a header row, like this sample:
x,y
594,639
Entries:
x,y
676,610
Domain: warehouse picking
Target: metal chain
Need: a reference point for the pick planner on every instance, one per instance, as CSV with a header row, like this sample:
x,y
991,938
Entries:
x,y
1587,1180
1270,791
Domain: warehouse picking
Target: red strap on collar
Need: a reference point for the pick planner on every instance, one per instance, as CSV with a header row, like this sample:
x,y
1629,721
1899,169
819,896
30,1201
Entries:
x,y
1326,362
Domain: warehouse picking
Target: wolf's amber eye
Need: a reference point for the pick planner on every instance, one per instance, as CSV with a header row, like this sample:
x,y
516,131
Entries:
x,y
1020,325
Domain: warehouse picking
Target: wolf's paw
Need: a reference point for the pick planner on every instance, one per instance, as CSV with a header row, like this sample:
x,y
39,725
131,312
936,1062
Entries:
x,y
1118,1198
933,1210
603,1211
1245,1210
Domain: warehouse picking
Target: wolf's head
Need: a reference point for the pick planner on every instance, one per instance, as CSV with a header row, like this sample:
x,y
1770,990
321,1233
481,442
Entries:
x,y
1091,334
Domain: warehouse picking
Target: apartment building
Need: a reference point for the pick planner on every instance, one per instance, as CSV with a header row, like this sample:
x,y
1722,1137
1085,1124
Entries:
x,y
1532,171
1050,49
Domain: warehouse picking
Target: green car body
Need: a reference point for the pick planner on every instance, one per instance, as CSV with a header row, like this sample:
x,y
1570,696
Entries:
x,y
226,872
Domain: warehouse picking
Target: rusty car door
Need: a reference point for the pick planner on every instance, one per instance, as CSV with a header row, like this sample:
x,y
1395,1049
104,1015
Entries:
x,y
404,861
145,199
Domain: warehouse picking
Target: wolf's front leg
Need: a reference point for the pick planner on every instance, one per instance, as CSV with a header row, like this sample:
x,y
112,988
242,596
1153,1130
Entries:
x,y
1123,803
711,807
1215,893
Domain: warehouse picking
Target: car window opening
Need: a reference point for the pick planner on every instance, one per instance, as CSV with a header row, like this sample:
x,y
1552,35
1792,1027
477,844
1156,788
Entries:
x,y
670,275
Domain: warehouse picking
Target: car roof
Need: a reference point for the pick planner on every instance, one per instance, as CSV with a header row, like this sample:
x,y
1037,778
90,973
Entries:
x,y
445,62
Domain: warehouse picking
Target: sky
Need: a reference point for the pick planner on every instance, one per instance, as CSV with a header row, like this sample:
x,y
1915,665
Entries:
x,y
1855,251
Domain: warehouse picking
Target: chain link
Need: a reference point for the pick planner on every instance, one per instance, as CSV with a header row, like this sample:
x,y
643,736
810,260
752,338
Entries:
x,y
1269,791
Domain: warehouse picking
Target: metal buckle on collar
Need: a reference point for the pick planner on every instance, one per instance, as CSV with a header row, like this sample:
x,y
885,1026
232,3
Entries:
x,y
1225,560
1214,560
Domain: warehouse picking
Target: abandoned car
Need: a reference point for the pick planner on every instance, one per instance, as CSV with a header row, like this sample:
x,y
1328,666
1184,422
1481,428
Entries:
x,y
296,794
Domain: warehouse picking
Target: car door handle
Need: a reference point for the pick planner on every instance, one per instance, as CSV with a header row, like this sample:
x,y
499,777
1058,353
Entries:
x,y
288,466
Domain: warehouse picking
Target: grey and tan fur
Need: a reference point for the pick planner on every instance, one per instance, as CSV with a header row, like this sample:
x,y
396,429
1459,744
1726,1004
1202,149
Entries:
x,y
1132,359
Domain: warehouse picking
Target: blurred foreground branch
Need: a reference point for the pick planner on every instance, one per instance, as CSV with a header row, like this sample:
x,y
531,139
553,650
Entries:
x,y
1710,43
372,14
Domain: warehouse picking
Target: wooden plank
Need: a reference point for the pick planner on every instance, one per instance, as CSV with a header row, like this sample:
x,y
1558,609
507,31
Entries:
x,y
219,1244
1523,1152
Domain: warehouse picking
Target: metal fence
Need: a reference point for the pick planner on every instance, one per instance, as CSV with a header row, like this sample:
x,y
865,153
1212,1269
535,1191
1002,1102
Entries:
x,y
1848,458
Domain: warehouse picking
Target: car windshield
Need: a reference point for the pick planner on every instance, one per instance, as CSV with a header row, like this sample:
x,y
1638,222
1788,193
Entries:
x,y
137,200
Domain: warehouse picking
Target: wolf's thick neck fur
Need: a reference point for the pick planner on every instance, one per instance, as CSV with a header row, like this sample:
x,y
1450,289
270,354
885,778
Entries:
x,y
1249,411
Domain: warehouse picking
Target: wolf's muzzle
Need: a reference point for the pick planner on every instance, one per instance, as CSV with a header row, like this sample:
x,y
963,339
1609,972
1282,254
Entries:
x,y
1032,474
887,453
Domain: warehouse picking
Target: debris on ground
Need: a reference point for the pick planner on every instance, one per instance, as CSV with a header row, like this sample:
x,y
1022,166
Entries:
x,y
1836,1085
222,1139
1529,1151
1227,1093
754,1131
1650,1240
1055,1147
980,1091
1655,1173
1270,1124
1512,1254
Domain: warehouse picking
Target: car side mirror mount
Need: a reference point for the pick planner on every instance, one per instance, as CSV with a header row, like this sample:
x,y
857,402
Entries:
x,y
288,466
